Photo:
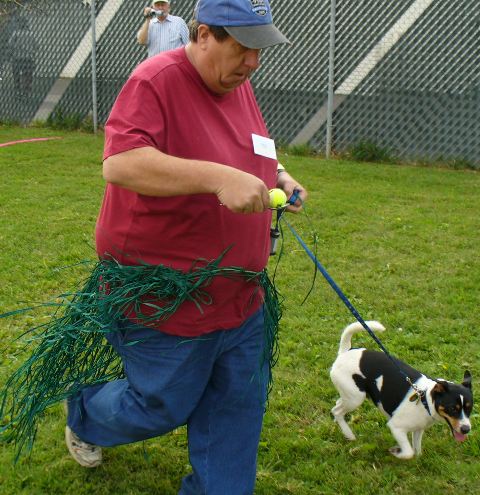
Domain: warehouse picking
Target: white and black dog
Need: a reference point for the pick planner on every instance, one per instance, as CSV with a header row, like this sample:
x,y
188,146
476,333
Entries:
x,y
358,373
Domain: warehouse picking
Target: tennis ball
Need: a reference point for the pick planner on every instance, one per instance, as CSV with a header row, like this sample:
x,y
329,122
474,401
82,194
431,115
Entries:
x,y
277,198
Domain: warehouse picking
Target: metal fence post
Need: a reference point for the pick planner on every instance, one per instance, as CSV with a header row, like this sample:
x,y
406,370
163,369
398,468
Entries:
x,y
331,68
94,68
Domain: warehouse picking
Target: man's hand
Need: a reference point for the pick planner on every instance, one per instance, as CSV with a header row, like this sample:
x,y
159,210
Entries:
x,y
242,192
286,182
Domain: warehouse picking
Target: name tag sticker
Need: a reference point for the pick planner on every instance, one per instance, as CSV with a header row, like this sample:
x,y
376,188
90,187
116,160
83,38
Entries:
x,y
264,146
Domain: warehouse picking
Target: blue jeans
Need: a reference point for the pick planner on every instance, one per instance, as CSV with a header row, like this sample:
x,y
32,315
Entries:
x,y
215,384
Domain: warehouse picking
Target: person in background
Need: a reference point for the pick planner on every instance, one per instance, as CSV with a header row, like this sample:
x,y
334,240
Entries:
x,y
23,48
162,31
188,165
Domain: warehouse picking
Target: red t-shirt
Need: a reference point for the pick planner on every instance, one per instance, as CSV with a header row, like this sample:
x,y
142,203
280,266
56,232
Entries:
x,y
165,104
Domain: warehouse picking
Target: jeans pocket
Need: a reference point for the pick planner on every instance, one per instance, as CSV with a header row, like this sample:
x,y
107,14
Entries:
x,y
118,334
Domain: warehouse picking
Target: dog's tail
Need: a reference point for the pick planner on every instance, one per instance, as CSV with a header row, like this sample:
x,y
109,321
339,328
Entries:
x,y
346,338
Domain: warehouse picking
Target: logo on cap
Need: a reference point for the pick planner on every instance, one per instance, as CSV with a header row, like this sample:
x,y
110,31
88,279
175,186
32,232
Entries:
x,y
259,7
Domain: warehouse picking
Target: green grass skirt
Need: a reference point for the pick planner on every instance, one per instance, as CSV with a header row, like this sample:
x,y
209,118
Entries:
x,y
70,352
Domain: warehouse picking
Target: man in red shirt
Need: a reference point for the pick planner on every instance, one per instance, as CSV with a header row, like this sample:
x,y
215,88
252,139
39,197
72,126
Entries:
x,y
188,165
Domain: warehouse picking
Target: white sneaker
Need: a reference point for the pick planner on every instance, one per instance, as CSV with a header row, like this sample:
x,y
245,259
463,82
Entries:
x,y
86,454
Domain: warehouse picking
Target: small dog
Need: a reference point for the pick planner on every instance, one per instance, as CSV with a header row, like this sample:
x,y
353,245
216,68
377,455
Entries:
x,y
357,373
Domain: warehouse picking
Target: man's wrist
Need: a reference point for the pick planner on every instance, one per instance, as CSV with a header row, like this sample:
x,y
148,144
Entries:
x,y
280,168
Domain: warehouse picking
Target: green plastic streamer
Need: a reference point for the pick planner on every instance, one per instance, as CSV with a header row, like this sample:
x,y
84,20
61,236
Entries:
x,y
70,351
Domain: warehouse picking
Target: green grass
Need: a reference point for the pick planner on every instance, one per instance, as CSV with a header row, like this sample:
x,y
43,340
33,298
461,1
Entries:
x,y
402,242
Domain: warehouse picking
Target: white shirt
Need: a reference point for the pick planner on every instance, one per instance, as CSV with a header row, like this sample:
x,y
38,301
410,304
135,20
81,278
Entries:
x,y
166,35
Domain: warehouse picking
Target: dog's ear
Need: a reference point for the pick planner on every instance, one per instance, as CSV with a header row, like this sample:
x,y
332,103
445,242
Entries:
x,y
441,387
467,380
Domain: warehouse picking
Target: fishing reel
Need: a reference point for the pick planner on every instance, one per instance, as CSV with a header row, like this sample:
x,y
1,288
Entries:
x,y
274,231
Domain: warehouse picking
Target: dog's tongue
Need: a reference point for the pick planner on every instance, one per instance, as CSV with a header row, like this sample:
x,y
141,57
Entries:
x,y
459,437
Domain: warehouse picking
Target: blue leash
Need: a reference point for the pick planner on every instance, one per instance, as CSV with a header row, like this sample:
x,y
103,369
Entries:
x,y
420,393
337,289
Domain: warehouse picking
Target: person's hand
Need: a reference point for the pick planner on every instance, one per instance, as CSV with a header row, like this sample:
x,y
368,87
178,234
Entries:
x,y
286,182
242,192
146,11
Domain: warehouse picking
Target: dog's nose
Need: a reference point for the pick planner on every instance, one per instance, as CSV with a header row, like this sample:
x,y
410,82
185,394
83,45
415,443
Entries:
x,y
465,429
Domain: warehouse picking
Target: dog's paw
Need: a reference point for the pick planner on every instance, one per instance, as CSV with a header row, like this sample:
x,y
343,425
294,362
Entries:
x,y
399,454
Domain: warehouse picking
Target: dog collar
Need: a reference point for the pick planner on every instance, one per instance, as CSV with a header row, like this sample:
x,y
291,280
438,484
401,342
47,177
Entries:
x,y
421,395
423,398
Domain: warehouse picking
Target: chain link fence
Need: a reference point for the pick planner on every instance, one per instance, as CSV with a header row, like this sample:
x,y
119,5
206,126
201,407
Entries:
x,y
405,72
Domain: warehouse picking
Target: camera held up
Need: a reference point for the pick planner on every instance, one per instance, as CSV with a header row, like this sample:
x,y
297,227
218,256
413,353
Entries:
x,y
156,13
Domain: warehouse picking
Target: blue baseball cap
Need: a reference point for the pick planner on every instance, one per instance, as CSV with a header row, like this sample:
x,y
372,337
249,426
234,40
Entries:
x,y
248,21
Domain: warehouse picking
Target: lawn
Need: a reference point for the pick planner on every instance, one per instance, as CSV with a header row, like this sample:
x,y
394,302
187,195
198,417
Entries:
x,y
402,243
